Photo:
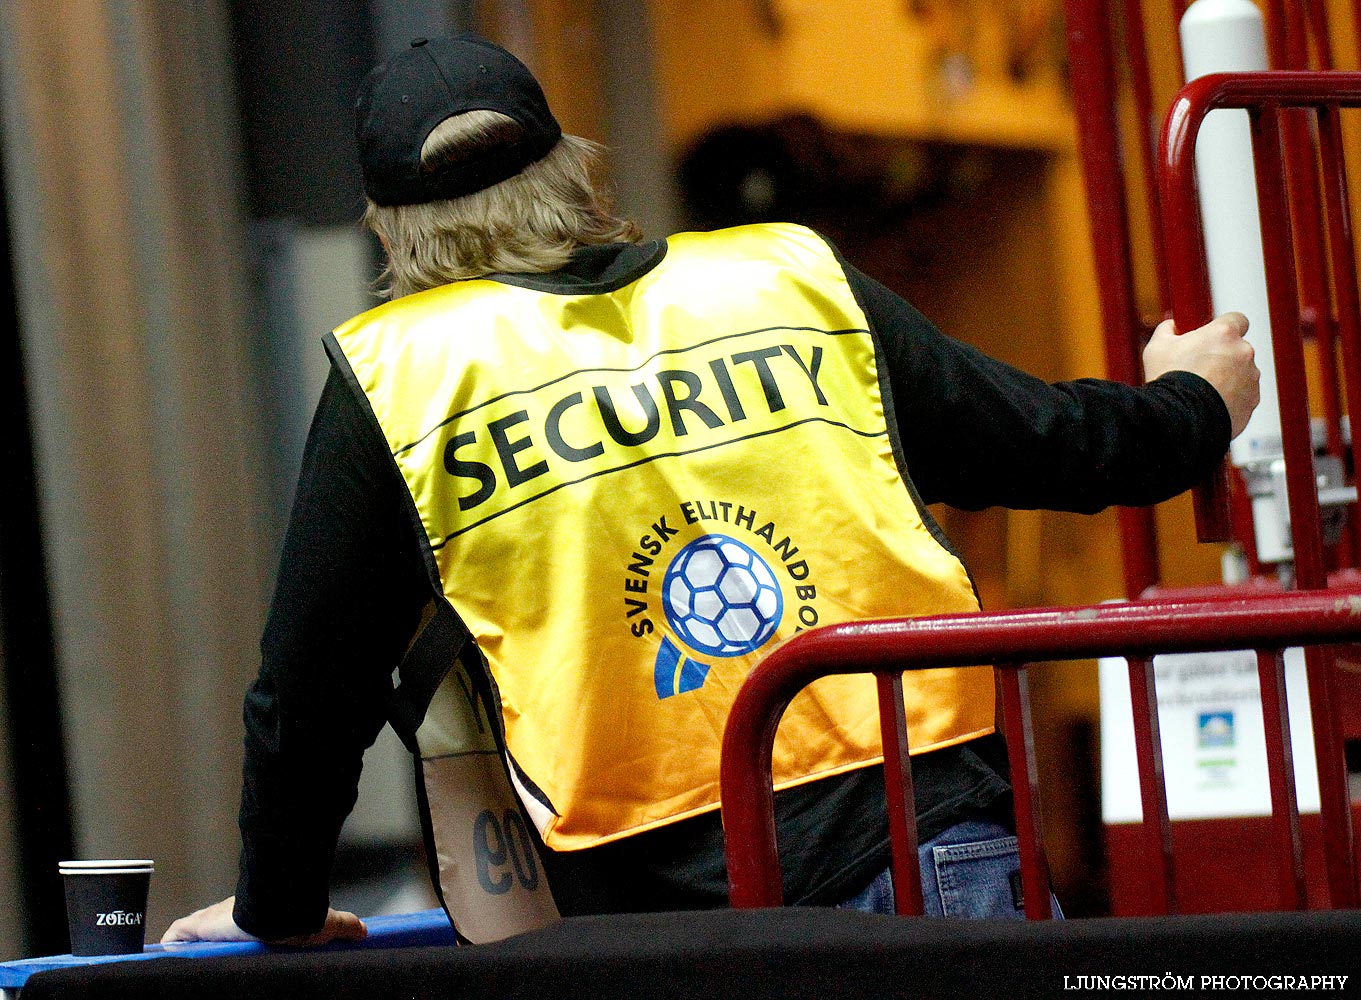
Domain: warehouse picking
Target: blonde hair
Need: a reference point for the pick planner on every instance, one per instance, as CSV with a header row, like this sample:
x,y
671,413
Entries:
x,y
528,223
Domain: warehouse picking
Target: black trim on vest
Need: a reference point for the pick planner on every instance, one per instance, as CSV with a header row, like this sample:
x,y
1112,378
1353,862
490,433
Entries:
x,y
443,639
891,425
342,366
565,283
423,669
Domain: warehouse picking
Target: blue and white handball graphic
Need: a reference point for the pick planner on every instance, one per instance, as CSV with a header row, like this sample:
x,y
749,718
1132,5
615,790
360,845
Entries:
x,y
720,597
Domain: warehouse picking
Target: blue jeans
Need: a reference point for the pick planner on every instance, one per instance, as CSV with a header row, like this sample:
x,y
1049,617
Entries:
x,y
969,870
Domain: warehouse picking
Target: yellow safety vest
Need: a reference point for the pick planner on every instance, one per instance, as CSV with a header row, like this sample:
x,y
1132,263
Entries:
x,y
631,496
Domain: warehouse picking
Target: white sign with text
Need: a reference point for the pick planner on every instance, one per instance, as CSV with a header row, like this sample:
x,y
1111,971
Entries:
x,y
1214,747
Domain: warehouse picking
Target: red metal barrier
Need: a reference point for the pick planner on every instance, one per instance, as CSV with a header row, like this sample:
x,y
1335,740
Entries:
x,y
1267,97
1312,276
1137,630
1102,53
1290,30
1092,69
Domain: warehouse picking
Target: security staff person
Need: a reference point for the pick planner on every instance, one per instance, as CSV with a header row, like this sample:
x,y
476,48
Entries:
x,y
577,484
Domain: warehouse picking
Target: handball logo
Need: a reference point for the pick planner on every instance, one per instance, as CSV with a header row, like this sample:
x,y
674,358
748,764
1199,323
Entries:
x,y
720,597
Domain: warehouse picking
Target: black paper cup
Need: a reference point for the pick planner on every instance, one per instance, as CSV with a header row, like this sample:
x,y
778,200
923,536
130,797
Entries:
x,y
106,905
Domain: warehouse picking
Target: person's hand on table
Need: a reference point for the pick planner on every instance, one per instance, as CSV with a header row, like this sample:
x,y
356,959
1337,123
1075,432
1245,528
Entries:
x,y
215,923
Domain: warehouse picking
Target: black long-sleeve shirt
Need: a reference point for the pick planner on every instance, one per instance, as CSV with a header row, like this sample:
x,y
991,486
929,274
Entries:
x,y
974,433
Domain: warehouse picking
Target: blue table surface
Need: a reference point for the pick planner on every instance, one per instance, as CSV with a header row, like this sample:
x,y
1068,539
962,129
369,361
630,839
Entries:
x,y
404,930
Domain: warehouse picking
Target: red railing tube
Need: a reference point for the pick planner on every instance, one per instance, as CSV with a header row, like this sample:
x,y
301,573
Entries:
x,y
1305,523
1291,384
1289,33
1189,284
1336,201
1157,825
1092,73
1264,95
1280,760
902,810
1142,85
1138,629
1014,690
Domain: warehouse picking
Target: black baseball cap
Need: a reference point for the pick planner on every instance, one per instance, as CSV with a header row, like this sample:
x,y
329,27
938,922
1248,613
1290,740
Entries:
x,y
403,99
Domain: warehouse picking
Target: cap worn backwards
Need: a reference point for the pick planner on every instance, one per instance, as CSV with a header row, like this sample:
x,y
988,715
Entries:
x,y
404,98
